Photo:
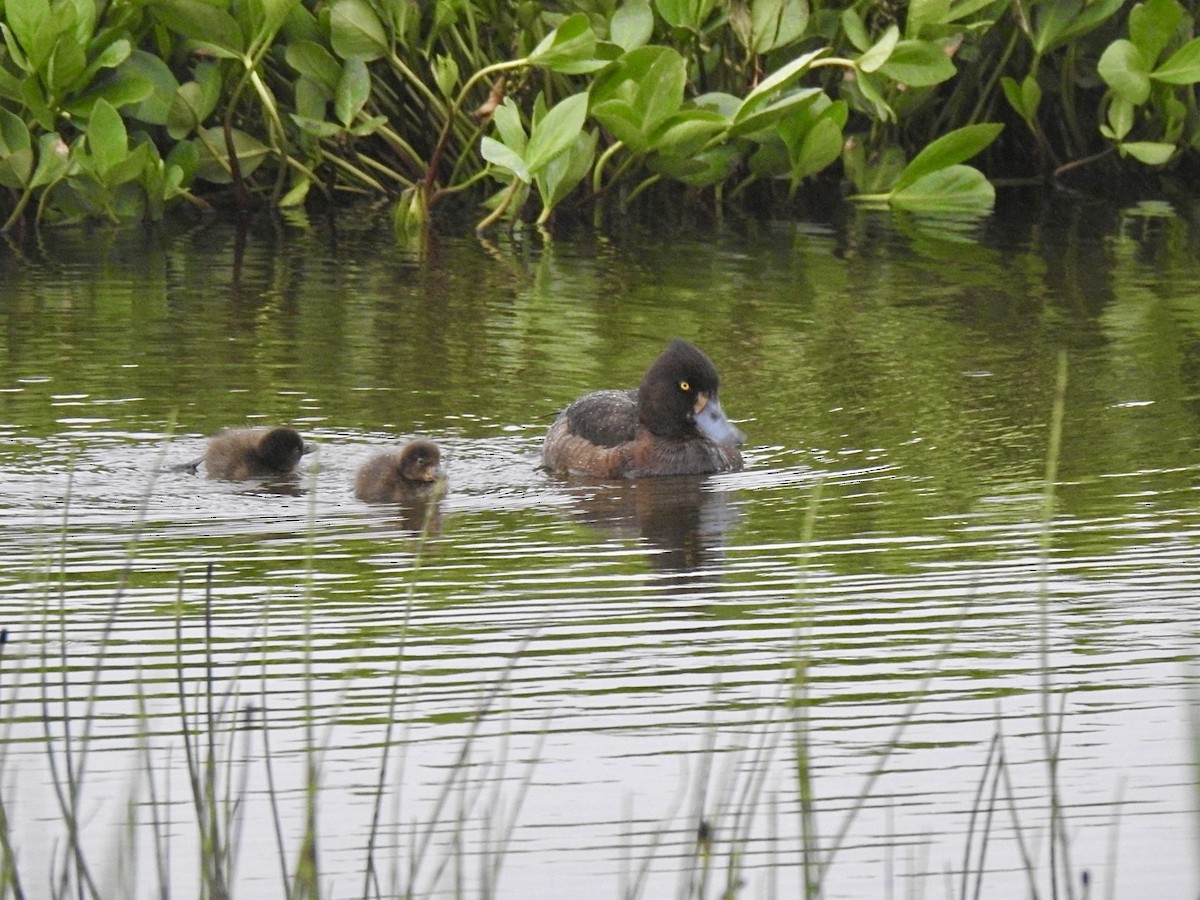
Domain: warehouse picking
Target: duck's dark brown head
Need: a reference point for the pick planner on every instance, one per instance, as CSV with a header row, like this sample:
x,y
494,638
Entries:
x,y
678,397
281,449
420,461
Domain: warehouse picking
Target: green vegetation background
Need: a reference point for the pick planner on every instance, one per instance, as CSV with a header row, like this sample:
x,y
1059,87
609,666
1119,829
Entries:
x,y
123,110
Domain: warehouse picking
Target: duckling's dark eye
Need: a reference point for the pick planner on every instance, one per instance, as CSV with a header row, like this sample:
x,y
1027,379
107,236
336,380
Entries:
x,y
685,386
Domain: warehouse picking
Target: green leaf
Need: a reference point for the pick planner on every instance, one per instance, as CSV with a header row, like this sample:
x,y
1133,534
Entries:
x,y
316,127
688,14
107,139
556,131
856,31
445,74
1025,97
65,67
507,119
1124,70
821,148
316,62
688,132
1183,66
947,151
1153,24
1120,118
784,75
1057,21
353,90
766,116
53,161
925,12
201,22
505,157
632,24
570,48
186,112
776,23
879,52
16,150
213,156
355,31
953,189
565,171
918,64
24,19
146,68
1152,153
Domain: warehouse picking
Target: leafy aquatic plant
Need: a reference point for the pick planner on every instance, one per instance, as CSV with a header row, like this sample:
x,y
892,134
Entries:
x,y
121,111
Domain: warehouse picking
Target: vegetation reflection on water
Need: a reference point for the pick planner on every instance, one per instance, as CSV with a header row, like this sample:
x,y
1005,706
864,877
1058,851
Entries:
x,y
635,647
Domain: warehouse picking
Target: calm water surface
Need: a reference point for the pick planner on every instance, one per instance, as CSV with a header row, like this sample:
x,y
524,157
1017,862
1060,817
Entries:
x,y
569,676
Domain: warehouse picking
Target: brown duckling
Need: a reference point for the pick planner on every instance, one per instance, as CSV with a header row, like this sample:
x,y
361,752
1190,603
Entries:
x,y
399,475
241,453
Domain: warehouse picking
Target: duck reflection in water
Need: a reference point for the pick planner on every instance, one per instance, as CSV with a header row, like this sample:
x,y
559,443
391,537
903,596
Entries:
x,y
409,479
682,520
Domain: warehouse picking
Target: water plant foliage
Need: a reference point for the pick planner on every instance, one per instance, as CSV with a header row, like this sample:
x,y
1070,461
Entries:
x,y
121,110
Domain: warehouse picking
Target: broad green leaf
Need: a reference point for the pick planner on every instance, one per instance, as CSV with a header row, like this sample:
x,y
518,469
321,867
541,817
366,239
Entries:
x,y
1183,66
957,188
506,158
947,151
53,161
1153,24
565,171
1152,153
776,23
569,48
1058,21
201,22
632,24
879,52
856,31
1120,118
688,132
316,62
766,116
213,156
689,14
711,167
24,20
821,148
65,67
355,31
268,16
130,166
1124,70
925,12
353,90
146,68
624,123
186,112
918,64
107,139
507,119
660,95
784,75
16,150
871,93
556,131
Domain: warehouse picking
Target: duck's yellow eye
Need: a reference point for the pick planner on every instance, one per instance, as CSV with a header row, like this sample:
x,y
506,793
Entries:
x,y
685,386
